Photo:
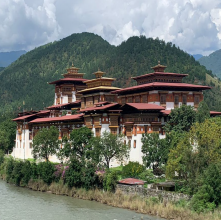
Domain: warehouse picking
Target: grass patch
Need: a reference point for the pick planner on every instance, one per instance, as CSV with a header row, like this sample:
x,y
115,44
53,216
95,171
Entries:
x,y
116,168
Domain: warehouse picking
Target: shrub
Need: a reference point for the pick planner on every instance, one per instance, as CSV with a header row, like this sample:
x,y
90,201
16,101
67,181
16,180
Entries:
x,y
158,171
34,171
46,172
110,181
9,169
74,174
147,176
60,171
132,169
201,200
26,172
2,154
89,179
17,174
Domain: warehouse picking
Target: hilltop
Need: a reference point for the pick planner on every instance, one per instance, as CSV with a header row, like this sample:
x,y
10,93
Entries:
x,y
212,62
26,79
197,56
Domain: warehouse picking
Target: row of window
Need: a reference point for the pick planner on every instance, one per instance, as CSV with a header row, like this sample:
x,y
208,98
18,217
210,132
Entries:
x,y
159,80
143,99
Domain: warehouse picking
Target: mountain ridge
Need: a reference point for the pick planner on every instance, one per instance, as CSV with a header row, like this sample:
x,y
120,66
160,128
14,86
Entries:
x,y
26,78
212,62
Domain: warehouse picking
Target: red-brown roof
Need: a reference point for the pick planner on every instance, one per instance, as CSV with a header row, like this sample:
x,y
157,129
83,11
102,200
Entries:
x,y
99,108
166,112
58,106
62,105
102,103
159,73
155,85
131,181
43,112
62,118
215,113
23,117
65,80
144,106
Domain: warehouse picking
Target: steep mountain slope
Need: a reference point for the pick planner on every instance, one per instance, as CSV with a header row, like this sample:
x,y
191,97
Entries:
x,y
1,68
212,62
26,79
6,58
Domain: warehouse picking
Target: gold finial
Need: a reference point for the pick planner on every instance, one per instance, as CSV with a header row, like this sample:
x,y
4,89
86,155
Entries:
x,y
98,69
158,62
72,64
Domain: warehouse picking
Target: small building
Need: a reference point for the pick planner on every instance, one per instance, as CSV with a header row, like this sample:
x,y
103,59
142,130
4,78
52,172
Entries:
x,y
132,182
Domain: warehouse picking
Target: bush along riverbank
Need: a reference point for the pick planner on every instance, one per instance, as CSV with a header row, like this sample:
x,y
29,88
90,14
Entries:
x,y
85,182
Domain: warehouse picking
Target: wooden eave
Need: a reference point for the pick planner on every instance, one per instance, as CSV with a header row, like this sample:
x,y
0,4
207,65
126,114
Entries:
x,y
99,88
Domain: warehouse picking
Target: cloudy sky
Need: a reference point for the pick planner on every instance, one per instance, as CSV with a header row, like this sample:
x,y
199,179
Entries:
x,y
193,25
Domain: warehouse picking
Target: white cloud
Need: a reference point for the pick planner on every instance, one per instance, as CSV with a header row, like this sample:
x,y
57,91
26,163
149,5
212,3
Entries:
x,y
193,25
24,26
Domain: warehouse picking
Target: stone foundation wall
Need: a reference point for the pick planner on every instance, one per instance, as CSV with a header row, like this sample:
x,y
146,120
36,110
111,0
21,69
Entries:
x,y
144,192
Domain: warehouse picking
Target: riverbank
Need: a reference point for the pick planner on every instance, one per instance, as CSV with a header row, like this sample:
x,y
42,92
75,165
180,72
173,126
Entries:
x,y
150,206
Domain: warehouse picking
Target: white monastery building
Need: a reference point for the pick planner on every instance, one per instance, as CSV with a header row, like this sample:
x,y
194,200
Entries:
x,y
95,103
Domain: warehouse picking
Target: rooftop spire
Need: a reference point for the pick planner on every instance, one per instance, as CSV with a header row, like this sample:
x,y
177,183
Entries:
x,y
72,72
99,73
159,67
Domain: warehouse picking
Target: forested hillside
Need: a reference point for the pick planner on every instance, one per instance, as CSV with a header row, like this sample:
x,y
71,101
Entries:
x,y
212,62
6,58
26,79
1,68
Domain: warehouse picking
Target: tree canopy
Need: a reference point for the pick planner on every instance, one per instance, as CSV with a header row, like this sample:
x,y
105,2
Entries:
x,y
7,135
45,143
76,146
154,149
203,112
196,150
107,147
181,119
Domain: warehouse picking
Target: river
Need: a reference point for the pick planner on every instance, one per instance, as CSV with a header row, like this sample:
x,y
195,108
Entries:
x,y
17,203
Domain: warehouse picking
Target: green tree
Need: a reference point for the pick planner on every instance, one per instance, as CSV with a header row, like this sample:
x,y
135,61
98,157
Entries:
x,y
208,195
181,119
7,135
199,148
107,147
73,176
203,112
2,155
180,160
76,145
154,149
45,143
132,169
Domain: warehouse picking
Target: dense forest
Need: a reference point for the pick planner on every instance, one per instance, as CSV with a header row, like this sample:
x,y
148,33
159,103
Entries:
x,y
26,79
212,62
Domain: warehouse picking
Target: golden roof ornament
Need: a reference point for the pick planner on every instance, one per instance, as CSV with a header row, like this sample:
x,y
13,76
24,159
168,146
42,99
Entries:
x,y
99,73
159,67
72,72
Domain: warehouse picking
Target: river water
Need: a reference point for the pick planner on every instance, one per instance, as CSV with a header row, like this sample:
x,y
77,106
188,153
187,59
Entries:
x,y
17,203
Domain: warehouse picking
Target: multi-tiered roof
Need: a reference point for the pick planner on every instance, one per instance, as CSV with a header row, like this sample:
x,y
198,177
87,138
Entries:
x,y
71,76
160,80
99,84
